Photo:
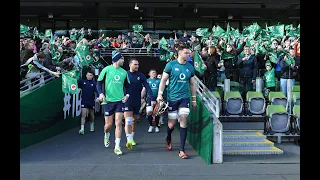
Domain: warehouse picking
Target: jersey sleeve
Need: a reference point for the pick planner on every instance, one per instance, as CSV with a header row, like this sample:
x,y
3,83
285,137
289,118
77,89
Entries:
x,y
146,85
102,74
192,71
168,68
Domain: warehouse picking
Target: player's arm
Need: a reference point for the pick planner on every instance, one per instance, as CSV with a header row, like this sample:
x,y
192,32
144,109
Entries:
x,y
100,80
143,93
126,84
147,87
193,88
165,77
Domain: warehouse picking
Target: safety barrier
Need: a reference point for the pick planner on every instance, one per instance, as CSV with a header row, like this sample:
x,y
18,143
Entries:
x,y
212,104
31,83
46,111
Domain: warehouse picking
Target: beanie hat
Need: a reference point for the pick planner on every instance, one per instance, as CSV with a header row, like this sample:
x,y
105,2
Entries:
x,y
268,64
116,55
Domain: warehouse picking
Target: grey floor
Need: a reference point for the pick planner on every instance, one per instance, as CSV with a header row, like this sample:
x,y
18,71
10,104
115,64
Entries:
x,y
74,157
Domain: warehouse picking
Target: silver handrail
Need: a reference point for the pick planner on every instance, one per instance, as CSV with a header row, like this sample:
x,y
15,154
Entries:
x,y
38,83
212,103
131,52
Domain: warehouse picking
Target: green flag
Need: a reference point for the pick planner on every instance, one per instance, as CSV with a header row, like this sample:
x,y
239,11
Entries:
x,y
69,82
201,31
105,43
137,28
48,33
273,57
55,54
277,31
73,35
165,55
198,65
23,28
217,31
84,55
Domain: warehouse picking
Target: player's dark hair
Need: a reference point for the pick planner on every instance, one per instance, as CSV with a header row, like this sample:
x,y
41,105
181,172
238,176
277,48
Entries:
x,y
132,59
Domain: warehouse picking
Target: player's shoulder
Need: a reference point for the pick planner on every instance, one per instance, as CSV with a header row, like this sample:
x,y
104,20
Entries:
x,y
173,62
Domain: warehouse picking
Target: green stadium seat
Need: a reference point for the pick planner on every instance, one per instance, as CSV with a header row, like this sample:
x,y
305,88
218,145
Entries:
x,y
296,88
255,103
278,119
296,116
296,98
278,98
233,103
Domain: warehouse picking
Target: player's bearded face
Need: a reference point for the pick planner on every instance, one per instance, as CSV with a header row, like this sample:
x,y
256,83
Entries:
x,y
185,54
121,61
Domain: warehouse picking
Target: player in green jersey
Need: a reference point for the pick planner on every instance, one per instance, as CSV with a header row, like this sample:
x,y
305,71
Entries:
x,y
181,80
115,79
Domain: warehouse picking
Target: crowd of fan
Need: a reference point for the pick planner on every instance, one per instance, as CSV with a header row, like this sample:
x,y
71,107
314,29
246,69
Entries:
x,y
38,52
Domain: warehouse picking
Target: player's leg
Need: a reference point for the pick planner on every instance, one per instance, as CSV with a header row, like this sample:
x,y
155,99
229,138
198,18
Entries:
x,y
149,110
118,121
108,111
128,115
183,115
172,120
91,118
83,118
136,108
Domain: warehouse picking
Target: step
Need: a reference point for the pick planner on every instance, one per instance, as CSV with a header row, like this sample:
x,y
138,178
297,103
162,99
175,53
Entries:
x,y
232,150
243,135
247,142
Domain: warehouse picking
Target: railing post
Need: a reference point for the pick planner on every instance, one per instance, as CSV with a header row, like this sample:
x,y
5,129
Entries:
x,y
289,94
258,84
217,149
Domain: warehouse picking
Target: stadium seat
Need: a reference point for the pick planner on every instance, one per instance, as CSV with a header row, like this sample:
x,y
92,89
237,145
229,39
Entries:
x,y
233,103
296,98
278,98
296,88
256,103
217,95
296,117
277,120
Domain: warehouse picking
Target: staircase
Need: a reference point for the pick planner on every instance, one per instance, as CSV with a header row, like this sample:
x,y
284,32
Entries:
x,y
247,142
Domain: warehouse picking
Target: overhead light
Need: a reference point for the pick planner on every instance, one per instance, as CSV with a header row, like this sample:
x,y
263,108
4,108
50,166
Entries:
x,y
195,10
230,17
50,15
136,7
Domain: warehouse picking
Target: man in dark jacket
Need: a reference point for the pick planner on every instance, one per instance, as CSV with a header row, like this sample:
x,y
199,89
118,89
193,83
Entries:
x,y
247,71
287,69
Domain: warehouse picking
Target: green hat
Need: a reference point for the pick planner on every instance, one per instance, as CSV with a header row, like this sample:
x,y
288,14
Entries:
x,y
268,64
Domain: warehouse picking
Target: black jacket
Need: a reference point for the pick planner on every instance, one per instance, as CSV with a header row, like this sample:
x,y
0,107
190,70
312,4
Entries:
x,y
248,68
286,70
212,64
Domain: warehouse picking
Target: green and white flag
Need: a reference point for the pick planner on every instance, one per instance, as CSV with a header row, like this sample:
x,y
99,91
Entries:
x,y
201,31
137,28
84,55
55,54
23,28
104,43
48,33
198,65
69,82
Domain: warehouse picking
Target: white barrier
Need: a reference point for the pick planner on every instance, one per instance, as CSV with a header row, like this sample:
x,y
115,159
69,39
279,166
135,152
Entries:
x,y
213,105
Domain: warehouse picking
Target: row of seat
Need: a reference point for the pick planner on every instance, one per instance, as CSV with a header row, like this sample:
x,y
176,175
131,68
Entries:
x,y
279,116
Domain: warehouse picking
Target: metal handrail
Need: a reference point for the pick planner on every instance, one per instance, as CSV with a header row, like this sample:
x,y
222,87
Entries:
x,y
131,52
38,81
212,103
